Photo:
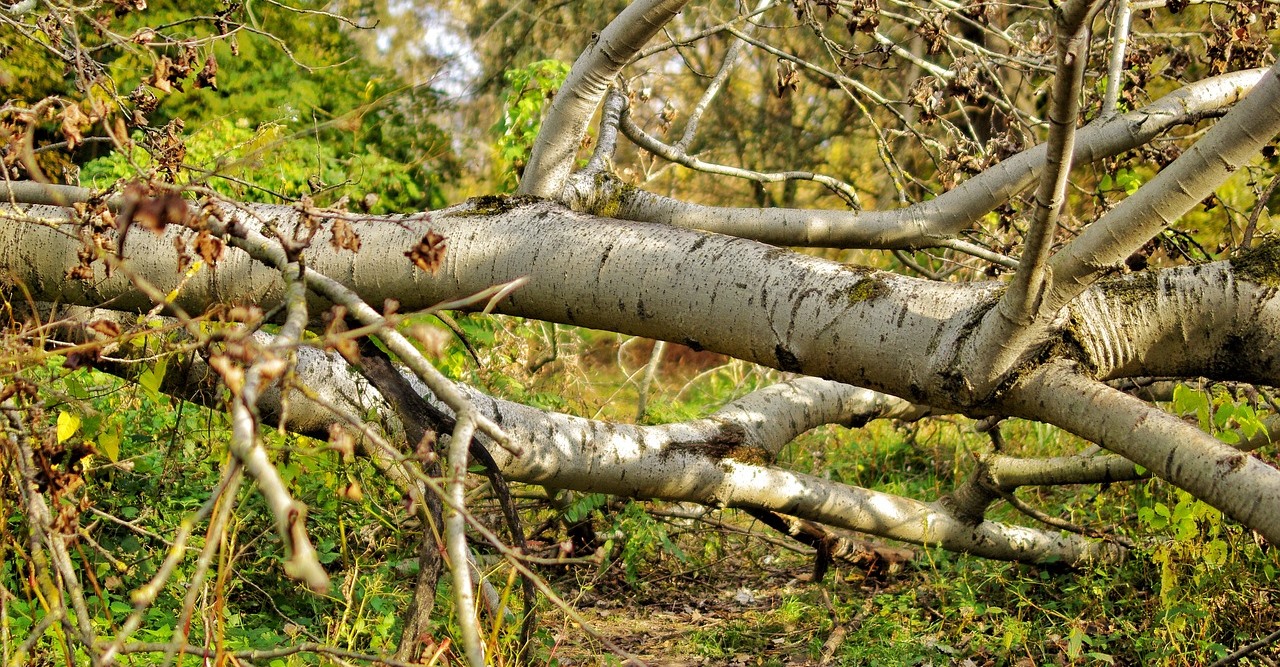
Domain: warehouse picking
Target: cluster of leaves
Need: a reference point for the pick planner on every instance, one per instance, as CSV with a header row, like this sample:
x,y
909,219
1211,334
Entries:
x,y
272,101
529,92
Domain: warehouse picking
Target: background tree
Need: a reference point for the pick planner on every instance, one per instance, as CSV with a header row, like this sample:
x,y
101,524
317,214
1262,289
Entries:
x,y
1122,282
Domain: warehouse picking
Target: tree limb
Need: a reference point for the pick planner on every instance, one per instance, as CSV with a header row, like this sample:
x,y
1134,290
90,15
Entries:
x,y
566,124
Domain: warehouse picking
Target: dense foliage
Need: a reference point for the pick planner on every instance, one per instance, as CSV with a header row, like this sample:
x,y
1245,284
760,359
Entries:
x,y
262,103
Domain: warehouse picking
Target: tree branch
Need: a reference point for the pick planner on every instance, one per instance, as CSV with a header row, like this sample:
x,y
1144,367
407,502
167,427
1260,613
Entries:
x,y
1241,486
926,223
566,124
1228,145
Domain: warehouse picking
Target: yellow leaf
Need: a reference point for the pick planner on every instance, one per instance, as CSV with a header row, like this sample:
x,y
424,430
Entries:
x,y
109,443
68,424
152,378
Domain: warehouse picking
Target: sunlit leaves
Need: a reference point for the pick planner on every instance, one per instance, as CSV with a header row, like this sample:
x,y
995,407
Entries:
x,y
109,443
152,378
529,93
68,424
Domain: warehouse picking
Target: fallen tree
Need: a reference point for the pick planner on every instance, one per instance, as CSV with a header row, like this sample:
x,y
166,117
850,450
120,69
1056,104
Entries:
x,y
580,247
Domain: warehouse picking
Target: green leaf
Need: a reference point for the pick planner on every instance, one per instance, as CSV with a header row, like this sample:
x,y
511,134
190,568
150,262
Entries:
x,y
1075,642
1215,553
1128,180
75,387
1187,400
582,507
1223,414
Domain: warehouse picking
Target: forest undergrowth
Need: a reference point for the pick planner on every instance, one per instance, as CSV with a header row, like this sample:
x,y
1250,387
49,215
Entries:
x,y
672,584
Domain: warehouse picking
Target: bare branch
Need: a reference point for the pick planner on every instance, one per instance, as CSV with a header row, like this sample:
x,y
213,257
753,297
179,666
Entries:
x,y
926,223
1229,144
1016,322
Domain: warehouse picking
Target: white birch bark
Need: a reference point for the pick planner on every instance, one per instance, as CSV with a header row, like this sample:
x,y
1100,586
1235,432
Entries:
x,y
885,332
566,124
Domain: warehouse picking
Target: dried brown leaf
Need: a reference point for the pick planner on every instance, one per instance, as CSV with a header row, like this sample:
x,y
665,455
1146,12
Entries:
x,y
344,237
209,247
428,254
106,328
788,79
208,77
161,74
74,123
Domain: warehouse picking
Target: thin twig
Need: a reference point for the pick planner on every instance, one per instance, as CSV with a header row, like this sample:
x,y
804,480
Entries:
x,y
1245,650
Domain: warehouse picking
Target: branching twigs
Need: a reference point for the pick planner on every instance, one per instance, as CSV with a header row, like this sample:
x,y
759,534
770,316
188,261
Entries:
x,y
50,559
1062,524
713,88
410,477
945,216
677,155
213,543
1246,650
223,498
468,422
265,251
246,445
980,252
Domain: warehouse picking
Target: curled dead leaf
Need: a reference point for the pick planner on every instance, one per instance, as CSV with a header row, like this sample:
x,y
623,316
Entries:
x,y
156,213
788,79
209,75
184,257
209,247
82,358
160,75
344,237
74,123
428,254
105,328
